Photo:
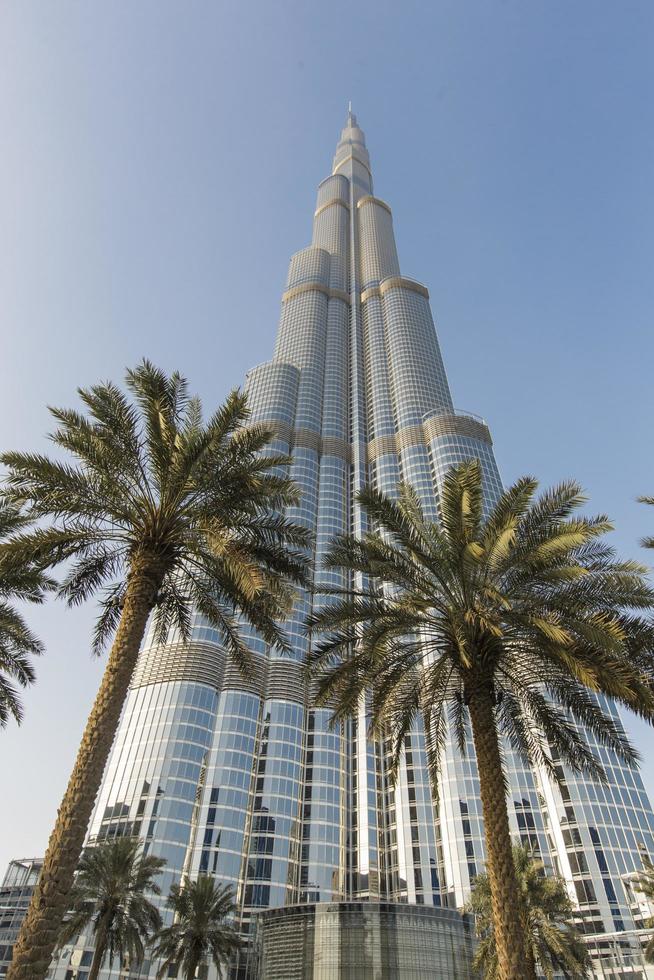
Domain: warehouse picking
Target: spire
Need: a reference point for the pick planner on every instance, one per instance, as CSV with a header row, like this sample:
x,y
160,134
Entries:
x,y
352,132
352,147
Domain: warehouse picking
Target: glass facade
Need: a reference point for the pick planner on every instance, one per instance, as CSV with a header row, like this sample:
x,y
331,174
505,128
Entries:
x,y
248,782
15,895
357,940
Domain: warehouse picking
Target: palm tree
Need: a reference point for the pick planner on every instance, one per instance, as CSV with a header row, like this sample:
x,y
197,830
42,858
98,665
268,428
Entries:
x,y
509,623
200,928
647,542
109,894
553,941
644,882
162,512
24,582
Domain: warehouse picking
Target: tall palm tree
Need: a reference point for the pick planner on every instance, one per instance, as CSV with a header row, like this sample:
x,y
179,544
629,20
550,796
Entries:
x,y
162,512
23,582
553,941
644,882
509,623
201,928
110,895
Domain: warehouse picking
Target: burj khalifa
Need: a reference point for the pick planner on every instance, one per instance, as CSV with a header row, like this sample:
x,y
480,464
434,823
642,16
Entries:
x,y
245,779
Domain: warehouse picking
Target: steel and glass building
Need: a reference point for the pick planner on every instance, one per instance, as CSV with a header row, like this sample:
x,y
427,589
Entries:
x,y
245,780
16,893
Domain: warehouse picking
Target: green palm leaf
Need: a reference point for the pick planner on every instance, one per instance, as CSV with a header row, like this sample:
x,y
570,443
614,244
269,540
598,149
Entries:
x,y
21,581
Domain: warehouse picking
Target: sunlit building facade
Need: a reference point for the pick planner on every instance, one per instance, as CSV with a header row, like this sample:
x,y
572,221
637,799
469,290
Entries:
x,y
245,780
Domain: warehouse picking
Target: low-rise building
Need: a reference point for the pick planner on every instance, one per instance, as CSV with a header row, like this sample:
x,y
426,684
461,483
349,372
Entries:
x,y
15,896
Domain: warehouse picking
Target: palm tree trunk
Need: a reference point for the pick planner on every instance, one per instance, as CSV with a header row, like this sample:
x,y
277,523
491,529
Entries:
x,y
98,955
192,968
38,935
513,961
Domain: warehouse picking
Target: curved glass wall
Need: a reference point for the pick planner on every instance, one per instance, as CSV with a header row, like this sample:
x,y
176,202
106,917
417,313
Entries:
x,y
353,940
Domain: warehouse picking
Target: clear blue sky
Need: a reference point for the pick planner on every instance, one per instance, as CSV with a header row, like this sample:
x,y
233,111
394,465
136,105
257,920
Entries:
x,y
158,164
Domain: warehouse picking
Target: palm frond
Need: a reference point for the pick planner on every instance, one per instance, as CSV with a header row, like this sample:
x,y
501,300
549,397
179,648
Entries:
x,y
22,579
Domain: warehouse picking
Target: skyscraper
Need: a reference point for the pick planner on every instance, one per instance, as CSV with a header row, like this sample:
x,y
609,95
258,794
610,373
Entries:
x,y
246,780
